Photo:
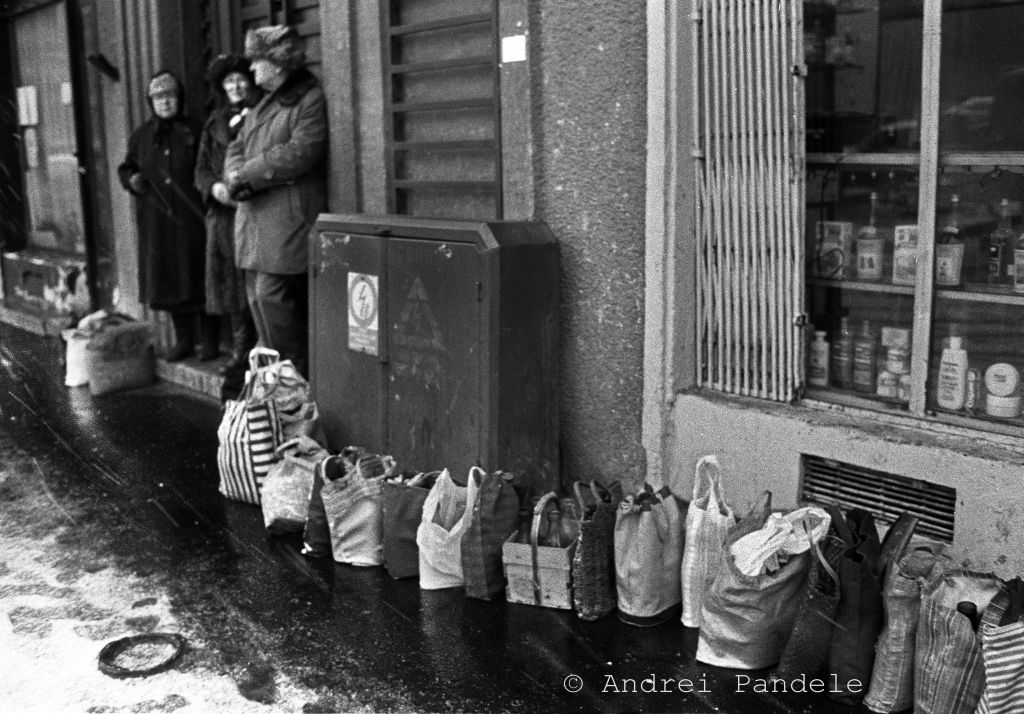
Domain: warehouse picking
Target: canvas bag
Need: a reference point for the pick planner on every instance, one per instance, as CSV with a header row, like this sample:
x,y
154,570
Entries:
x,y
495,517
286,489
859,616
892,679
352,503
402,500
949,676
120,356
648,556
593,562
708,520
316,535
447,512
746,619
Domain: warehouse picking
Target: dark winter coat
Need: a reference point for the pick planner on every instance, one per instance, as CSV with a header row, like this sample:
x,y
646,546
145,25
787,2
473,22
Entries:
x,y
172,237
225,288
281,154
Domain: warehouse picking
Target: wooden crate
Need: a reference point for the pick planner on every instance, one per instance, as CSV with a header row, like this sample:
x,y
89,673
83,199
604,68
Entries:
x,y
553,574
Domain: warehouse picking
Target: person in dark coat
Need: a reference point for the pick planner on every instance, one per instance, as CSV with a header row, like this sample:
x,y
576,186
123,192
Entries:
x,y
276,169
158,171
232,81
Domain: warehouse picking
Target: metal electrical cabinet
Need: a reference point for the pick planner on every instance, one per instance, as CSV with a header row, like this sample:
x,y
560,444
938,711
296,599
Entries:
x,y
437,341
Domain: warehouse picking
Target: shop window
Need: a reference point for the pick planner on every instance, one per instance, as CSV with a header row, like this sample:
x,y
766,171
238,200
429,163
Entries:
x,y
442,102
914,185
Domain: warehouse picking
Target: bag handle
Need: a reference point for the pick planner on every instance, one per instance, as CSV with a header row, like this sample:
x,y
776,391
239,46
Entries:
x,y
256,353
706,475
538,513
842,527
579,491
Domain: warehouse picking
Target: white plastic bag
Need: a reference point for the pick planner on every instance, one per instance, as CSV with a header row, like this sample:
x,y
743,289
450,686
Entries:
x,y
446,516
707,524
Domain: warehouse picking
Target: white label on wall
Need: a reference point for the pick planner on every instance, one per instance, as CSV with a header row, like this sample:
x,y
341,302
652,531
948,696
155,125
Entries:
x,y
65,93
363,302
513,49
28,106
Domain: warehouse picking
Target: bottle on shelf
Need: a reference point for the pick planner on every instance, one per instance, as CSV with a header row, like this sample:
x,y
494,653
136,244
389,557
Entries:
x,y
999,244
841,356
870,247
952,388
865,345
1018,264
817,374
949,248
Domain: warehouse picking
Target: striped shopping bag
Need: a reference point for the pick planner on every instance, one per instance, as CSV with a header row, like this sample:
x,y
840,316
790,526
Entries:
x,y
248,436
1002,653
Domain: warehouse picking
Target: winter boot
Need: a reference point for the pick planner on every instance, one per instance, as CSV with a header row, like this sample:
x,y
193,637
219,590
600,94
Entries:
x,y
184,336
243,339
210,327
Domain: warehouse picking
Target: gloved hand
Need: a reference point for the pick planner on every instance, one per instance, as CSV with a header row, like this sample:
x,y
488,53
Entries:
x,y
242,192
137,182
222,194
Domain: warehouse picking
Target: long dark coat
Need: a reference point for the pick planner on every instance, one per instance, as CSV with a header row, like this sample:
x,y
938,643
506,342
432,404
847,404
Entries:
x,y
169,213
225,284
281,153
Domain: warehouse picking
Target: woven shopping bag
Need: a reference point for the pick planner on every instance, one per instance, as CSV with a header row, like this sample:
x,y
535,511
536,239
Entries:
x,y
892,679
949,675
648,557
806,650
1002,653
351,491
593,563
859,617
287,486
447,511
495,517
708,520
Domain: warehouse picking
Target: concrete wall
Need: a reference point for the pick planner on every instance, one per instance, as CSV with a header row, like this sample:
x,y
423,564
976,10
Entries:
x,y
759,445
589,125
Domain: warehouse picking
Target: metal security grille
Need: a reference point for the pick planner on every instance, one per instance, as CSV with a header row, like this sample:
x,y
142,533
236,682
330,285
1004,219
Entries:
x,y
749,150
885,495
442,108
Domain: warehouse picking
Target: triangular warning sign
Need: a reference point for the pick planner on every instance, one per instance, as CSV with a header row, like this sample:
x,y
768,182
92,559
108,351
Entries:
x,y
417,319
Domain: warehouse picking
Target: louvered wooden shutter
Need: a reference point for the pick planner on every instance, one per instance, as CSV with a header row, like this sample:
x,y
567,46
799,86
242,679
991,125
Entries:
x,y
303,15
749,146
442,108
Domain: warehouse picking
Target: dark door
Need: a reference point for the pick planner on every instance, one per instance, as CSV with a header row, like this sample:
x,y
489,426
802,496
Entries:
x,y
433,333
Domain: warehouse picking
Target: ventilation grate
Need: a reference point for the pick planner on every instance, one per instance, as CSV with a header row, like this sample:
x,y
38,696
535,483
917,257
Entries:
x,y
886,495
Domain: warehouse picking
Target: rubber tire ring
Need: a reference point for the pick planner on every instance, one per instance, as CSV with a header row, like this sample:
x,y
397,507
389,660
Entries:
x,y
112,649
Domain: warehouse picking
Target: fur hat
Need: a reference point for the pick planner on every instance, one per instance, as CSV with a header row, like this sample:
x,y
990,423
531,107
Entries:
x,y
280,44
223,65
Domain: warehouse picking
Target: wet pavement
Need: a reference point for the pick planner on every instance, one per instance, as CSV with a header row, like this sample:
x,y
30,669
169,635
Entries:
x,y
135,473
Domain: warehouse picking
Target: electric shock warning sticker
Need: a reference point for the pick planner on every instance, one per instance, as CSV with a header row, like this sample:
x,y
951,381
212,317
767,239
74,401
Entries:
x,y
363,304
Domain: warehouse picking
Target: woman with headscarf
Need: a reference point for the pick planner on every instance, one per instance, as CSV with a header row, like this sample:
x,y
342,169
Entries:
x,y
276,169
232,81
158,171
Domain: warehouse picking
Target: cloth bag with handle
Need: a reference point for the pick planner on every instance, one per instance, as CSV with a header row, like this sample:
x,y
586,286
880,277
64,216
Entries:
x,y
402,506
495,517
447,512
892,679
1002,653
708,519
593,562
949,676
648,557
351,492
746,619
287,487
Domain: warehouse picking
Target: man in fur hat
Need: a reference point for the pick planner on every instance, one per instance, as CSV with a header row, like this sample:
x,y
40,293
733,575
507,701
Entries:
x,y
276,170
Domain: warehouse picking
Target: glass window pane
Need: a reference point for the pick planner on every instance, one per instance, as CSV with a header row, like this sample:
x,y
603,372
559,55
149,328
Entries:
x,y
863,75
982,67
